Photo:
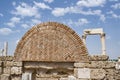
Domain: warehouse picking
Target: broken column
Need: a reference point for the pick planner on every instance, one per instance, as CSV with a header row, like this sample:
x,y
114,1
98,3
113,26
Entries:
x,y
5,49
103,43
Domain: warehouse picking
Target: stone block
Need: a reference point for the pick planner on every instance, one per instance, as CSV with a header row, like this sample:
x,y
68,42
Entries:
x,y
83,79
18,64
47,79
6,58
96,64
8,63
63,79
82,65
5,77
82,73
16,70
7,70
0,70
0,63
117,66
97,73
98,58
71,78
15,77
102,64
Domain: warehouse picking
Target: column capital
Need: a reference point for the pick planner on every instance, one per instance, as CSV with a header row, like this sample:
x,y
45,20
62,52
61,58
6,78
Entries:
x,y
102,35
84,36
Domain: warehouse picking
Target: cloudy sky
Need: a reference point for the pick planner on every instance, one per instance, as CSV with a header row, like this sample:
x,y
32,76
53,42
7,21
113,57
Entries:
x,y
18,16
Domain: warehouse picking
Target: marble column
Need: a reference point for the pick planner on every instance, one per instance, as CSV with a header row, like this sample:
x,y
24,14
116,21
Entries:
x,y
103,44
5,48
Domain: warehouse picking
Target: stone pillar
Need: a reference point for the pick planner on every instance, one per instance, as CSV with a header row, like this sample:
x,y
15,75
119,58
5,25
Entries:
x,y
84,38
118,59
27,75
5,48
103,44
1,52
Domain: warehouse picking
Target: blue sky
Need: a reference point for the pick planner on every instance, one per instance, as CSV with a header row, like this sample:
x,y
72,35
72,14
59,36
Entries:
x,y
18,16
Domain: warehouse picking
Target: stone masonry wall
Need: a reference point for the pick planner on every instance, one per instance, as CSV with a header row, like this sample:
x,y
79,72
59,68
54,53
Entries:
x,y
98,68
10,69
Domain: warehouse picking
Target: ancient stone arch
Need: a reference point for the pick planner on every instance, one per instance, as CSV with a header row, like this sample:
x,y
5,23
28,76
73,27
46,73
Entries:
x,y
51,41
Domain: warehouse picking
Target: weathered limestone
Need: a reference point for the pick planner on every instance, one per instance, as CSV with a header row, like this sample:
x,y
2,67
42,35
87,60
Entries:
x,y
83,73
98,57
5,77
87,73
15,77
47,79
1,70
6,70
6,58
63,78
118,59
97,74
117,65
16,70
97,70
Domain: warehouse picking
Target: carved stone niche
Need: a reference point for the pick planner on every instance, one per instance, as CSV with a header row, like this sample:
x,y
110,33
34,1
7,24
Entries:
x,y
49,69
51,41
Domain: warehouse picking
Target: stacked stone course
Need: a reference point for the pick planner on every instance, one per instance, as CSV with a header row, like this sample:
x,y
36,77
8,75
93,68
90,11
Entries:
x,y
10,69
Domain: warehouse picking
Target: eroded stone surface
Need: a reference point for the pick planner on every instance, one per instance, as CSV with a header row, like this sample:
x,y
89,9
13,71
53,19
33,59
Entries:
x,y
16,70
5,77
97,74
82,73
98,57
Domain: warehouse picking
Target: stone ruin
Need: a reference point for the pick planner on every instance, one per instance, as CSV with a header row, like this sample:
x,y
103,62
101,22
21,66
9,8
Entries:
x,y
53,51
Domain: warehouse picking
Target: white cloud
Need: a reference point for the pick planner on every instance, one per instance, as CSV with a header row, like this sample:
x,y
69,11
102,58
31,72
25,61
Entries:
x,y
102,17
41,5
35,21
113,15
116,6
25,26
26,10
30,23
1,14
113,0
91,3
13,21
13,3
5,31
60,11
49,1
80,22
